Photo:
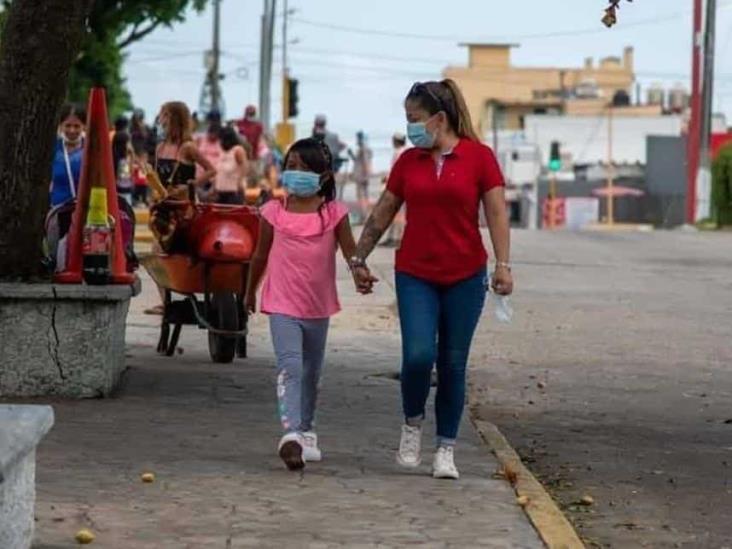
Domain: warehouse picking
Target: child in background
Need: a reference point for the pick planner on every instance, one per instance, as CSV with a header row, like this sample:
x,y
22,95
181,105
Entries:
x,y
139,169
297,247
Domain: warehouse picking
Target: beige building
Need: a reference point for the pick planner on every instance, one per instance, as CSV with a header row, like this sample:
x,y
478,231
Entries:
x,y
497,92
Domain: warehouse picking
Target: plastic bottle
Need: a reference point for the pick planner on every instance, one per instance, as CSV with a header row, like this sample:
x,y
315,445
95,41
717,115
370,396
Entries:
x,y
502,309
97,239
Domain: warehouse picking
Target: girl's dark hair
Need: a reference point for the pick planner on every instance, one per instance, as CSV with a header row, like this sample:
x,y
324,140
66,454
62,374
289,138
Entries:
x,y
121,123
137,123
445,96
316,155
72,109
229,138
120,145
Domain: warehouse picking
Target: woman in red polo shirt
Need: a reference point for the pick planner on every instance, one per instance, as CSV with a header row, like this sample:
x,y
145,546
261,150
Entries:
x,y
441,265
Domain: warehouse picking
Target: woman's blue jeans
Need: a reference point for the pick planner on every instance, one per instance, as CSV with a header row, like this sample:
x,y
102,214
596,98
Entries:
x,y
438,323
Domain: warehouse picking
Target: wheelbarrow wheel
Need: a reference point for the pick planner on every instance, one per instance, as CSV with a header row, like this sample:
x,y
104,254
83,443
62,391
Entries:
x,y
224,316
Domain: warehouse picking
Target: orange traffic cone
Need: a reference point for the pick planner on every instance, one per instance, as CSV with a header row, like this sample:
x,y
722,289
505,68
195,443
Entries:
x,y
96,171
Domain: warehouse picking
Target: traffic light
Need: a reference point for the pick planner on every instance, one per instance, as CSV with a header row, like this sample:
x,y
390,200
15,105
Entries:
x,y
292,108
555,157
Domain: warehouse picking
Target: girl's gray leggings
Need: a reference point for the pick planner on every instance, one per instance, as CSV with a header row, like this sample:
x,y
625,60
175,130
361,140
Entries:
x,y
299,346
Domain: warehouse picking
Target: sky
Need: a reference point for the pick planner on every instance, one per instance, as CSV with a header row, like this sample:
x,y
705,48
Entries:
x,y
356,60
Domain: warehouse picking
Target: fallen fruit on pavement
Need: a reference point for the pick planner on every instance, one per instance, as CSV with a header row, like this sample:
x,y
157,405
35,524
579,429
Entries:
x,y
541,385
148,477
508,474
84,536
523,501
587,500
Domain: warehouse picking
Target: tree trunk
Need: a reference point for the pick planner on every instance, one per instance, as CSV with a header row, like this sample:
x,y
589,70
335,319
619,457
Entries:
x,y
40,41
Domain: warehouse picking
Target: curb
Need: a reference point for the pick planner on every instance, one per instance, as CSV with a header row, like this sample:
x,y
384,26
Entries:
x,y
144,237
553,527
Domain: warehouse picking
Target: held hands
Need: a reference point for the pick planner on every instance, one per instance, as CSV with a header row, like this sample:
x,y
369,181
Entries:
x,y
364,280
502,280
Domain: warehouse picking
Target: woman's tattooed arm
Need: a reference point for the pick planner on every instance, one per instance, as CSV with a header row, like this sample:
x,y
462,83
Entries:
x,y
377,223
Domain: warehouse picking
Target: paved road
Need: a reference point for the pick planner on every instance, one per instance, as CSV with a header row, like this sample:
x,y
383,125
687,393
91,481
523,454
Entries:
x,y
209,433
631,337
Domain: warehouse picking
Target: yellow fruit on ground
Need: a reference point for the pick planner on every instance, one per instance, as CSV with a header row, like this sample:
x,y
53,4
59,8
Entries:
x,y
587,500
148,477
84,536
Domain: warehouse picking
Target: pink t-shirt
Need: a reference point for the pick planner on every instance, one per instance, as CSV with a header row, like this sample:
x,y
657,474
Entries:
x,y
301,269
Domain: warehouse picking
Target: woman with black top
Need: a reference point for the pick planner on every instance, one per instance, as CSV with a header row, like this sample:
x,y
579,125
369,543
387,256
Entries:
x,y
176,157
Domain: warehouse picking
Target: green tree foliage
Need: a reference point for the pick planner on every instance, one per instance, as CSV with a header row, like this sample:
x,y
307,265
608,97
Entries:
x,y
112,26
722,187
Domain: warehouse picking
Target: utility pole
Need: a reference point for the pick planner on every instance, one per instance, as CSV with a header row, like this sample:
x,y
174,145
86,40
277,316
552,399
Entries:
x,y
215,75
285,71
265,62
610,168
285,132
694,130
704,179
211,97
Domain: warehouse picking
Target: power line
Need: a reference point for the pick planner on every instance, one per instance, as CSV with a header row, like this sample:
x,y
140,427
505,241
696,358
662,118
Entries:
x,y
164,57
245,60
455,38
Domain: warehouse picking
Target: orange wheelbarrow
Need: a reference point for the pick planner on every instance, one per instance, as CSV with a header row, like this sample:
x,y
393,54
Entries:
x,y
210,273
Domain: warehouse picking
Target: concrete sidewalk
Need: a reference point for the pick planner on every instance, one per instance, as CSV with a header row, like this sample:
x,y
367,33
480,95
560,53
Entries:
x,y
209,433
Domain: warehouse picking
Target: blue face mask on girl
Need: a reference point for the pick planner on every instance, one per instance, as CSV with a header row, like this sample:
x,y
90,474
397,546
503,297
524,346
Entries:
x,y
301,183
419,136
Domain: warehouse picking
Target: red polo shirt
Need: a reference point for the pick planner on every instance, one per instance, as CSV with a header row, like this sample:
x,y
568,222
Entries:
x,y
442,242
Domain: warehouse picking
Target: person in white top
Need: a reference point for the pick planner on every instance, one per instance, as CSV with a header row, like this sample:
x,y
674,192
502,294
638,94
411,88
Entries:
x,y
362,171
394,236
232,169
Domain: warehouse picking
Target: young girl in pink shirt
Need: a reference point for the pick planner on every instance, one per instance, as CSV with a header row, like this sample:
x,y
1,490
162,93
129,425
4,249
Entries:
x,y
297,247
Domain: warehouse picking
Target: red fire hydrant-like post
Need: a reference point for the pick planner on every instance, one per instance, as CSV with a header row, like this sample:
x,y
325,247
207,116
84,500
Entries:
x,y
96,238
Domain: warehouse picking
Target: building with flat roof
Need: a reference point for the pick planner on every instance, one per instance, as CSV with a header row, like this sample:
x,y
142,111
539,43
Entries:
x,y
501,95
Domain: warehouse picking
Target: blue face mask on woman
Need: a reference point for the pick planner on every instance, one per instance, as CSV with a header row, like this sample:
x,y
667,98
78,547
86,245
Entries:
x,y
301,183
419,136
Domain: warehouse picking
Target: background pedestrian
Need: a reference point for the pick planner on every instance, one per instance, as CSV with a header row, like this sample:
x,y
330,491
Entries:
x,y
362,171
122,155
394,235
231,170
67,158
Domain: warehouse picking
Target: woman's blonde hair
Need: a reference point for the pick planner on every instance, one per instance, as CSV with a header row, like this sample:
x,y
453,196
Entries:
x,y
180,123
445,96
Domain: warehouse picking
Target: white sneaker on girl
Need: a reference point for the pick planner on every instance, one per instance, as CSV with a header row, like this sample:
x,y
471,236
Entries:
x,y
410,447
290,450
311,452
444,464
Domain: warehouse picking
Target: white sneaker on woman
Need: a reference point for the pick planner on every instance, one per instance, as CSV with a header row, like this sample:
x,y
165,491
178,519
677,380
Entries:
x,y
444,464
410,447
310,451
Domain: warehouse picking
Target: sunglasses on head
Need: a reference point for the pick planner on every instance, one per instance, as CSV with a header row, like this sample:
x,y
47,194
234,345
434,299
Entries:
x,y
419,88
